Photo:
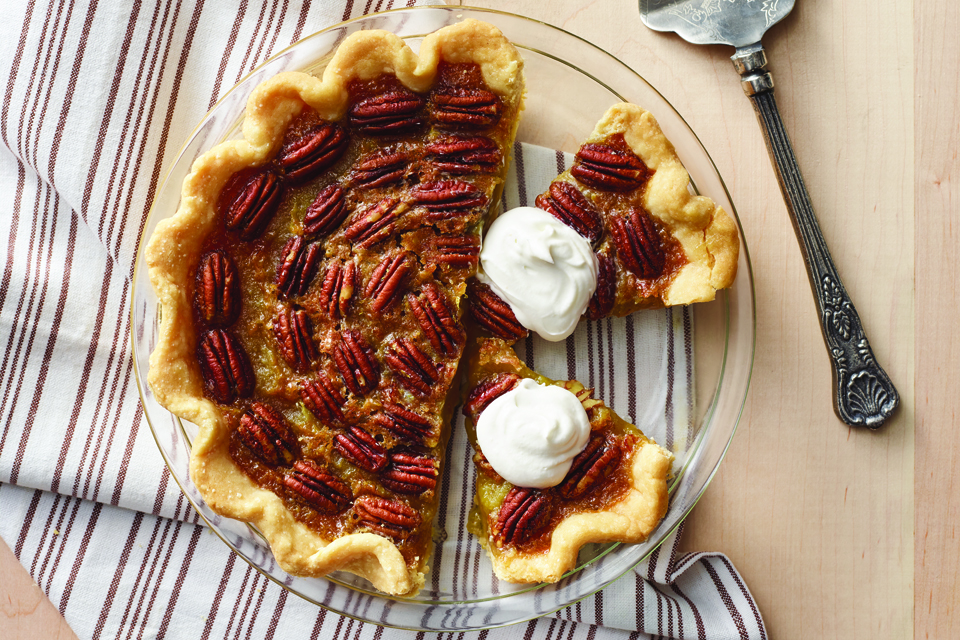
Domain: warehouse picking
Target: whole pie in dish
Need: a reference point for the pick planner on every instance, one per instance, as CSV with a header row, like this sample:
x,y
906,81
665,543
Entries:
x,y
615,490
311,286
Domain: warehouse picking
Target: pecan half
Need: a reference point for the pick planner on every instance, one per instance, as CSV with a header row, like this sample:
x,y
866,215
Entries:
x,y
584,395
294,333
464,108
264,431
460,252
410,474
459,155
298,266
638,243
379,169
599,458
250,206
413,368
224,365
357,363
374,224
436,319
523,513
390,518
323,399
569,206
404,424
218,290
318,487
326,212
336,292
488,390
392,113
447,199
491,312
609,168
385,284
362,449
601,303
312,152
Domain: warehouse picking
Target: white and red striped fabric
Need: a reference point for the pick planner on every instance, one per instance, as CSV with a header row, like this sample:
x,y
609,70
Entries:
x,y
97,98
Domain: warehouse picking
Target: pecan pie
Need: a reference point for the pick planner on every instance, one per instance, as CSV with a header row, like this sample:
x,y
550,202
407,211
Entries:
x,y
656,243
615,490
311,286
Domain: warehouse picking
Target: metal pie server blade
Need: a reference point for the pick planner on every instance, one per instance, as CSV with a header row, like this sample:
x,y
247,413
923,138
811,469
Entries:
x,y
738,23
863,394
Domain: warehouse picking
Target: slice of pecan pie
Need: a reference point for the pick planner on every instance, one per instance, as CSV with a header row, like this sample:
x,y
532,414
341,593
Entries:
x,y
615,490
657,243
311,287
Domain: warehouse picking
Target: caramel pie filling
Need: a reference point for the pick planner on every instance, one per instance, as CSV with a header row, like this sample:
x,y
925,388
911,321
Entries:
x,y
347,255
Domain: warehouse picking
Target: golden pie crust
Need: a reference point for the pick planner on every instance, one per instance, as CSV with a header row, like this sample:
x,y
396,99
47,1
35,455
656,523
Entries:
x,y
700,238
175,249
629,515
706,232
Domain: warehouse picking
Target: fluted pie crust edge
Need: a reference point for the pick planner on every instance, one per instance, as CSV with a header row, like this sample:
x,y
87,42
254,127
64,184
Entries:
x,y
630,519
174,251
705,231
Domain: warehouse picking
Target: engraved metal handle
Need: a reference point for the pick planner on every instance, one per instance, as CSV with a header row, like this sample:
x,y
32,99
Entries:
x,y
863,393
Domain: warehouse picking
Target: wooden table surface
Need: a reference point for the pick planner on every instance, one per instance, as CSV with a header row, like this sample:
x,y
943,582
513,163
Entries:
x,y
838,532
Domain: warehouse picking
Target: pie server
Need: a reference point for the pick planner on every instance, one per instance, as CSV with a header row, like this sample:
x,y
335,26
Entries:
x,y
863,394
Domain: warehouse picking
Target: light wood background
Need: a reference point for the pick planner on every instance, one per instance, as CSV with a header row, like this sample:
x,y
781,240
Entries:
x,y
838,532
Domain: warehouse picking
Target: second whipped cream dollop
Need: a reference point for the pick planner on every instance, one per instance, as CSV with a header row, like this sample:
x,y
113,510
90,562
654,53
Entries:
x,y
531,434
543,269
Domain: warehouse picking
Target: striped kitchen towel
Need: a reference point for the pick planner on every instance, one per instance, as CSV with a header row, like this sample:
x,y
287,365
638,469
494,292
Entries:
x,y
97,98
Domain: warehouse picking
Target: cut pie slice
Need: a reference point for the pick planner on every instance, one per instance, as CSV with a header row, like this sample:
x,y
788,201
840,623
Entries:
x,y
615,490
657,243
311,285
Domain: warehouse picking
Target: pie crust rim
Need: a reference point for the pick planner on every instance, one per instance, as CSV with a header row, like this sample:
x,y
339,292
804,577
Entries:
x,y
631,518
707,234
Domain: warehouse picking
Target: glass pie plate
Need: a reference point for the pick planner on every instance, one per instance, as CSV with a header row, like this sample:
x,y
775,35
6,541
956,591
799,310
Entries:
x,y
570,83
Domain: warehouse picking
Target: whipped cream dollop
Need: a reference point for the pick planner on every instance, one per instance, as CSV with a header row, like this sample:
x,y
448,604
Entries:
x,y
531,434
543,269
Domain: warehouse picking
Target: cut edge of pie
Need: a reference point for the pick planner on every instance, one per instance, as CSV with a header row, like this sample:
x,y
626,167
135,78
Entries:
x,y
175,249
629,517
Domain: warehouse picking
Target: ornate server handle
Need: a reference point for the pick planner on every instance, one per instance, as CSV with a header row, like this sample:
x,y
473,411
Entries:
x,y
863,393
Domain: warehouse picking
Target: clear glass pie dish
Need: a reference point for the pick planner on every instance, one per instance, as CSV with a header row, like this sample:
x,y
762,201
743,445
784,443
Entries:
x,y
570,84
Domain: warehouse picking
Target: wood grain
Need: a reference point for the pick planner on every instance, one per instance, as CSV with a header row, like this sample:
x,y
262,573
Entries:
x,y
25,612
937,132
816,515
